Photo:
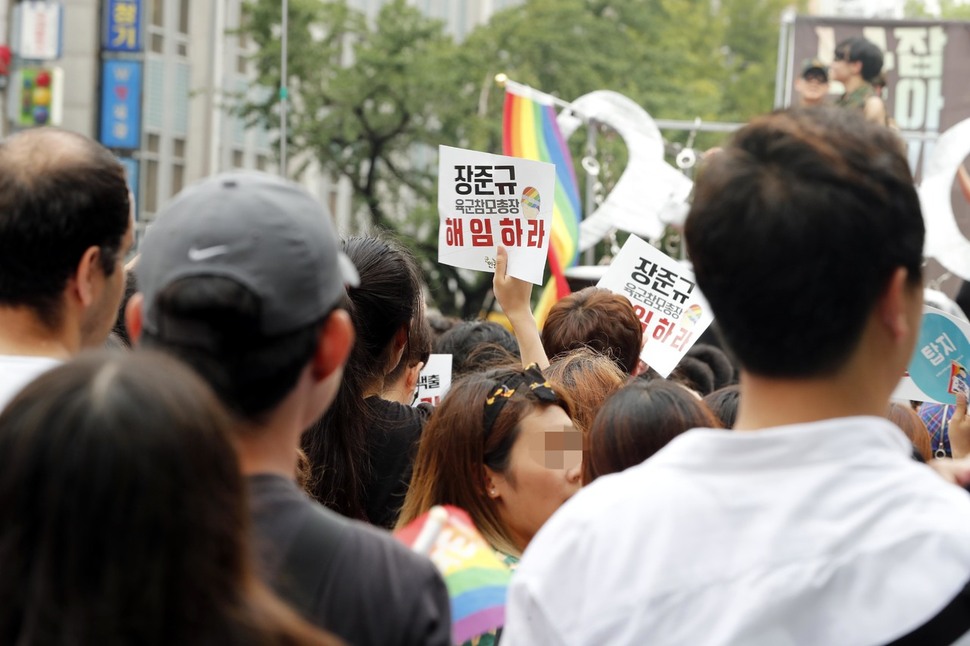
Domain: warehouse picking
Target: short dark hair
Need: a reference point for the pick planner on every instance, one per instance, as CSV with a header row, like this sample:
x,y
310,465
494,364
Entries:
x,y
60,193
476,346
637,421
795,230
865,51
694,374
723,404
213,324
598,319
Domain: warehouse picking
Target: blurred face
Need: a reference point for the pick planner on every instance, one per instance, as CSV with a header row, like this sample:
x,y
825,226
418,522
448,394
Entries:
x,y
842,69
544,471
812,88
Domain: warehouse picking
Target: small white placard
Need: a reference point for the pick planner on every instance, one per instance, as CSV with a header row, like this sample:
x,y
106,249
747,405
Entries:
x,y
666,299
487,200
434,380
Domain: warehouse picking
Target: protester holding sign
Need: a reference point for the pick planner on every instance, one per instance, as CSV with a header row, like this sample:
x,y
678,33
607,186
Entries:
x,y
514,295
809,523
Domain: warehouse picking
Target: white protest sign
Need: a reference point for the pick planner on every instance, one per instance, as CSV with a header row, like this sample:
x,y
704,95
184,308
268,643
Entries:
x,y
434,380
487,200
664,296
938,368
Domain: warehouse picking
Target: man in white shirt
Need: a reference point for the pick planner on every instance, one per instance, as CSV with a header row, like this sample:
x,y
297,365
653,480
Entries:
x,y
65,227
810,523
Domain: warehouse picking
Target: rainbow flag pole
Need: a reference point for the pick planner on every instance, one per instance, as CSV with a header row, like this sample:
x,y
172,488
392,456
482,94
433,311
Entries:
x,y
530,131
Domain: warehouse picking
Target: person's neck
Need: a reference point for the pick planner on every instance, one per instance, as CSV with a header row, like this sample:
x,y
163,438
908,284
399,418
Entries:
x,y
767,402
398,392
270,447
853,84
23,334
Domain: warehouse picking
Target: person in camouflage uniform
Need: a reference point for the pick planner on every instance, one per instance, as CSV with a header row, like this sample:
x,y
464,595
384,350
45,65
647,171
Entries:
x,y
856,63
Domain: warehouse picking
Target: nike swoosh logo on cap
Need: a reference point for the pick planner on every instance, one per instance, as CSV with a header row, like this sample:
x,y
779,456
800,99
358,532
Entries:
x,y
197,255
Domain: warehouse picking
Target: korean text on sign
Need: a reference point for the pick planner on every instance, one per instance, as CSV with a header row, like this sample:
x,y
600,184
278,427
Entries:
x,y
487,200
434,381
671,310
122,26
937,367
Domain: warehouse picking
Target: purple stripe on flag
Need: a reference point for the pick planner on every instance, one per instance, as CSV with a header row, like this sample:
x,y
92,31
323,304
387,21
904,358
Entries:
x,y
478,624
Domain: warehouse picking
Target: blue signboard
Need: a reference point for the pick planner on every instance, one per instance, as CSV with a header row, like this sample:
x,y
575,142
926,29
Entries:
x,y
122,26
131,172
121,104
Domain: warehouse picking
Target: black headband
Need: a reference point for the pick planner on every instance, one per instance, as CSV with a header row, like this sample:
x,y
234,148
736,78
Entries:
x,y
530,377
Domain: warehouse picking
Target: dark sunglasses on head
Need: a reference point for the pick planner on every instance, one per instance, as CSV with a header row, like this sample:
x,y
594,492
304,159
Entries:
x,y
842,56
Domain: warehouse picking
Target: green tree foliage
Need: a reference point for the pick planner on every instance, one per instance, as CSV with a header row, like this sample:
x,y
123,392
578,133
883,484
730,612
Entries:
x,y
362,96
949,10
371,100
369,103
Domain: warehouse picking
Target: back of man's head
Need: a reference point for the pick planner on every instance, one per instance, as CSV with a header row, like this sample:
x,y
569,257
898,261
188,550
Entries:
x,y
859,49
239,274
598,319
60,194
795,231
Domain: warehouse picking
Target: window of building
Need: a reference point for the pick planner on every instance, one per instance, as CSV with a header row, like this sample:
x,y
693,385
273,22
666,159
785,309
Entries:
x,y
184,17
158,12
150,185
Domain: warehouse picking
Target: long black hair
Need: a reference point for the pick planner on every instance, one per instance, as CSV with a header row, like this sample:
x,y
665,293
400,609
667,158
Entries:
x,y
387,299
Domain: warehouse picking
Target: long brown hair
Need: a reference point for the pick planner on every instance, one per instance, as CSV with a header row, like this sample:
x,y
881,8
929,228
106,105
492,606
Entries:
x,y
123,515
455,449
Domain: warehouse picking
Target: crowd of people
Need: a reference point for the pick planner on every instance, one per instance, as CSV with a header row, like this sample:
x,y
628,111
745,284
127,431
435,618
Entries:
x,y
213,444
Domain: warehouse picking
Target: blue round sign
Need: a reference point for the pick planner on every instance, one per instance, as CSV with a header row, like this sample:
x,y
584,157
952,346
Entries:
x,y
941,343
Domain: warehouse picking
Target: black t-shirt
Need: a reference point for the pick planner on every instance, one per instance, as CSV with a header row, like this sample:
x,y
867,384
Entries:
x,y
391,445
371,590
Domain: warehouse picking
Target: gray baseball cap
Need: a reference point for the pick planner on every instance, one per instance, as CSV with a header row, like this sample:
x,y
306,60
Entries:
x,y
264,232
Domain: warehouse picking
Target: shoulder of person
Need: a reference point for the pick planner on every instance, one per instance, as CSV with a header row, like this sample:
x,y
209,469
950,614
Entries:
x,y
399,578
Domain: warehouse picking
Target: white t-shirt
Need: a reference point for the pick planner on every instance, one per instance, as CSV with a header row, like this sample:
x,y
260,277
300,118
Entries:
x,y
824,533
17,371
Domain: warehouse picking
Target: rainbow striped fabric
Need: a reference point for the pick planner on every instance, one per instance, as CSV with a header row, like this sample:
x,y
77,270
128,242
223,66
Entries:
x,y
476,577
530,131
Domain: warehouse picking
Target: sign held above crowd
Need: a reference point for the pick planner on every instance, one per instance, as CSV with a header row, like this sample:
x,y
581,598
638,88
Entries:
x,y
664,295
487,200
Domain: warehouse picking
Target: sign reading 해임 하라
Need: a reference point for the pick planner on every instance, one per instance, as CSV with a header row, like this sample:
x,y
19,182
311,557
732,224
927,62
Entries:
x,y
487,200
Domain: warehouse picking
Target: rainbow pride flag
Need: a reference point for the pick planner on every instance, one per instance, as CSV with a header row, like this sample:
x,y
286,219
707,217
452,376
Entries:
x,y
530,131
476,578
